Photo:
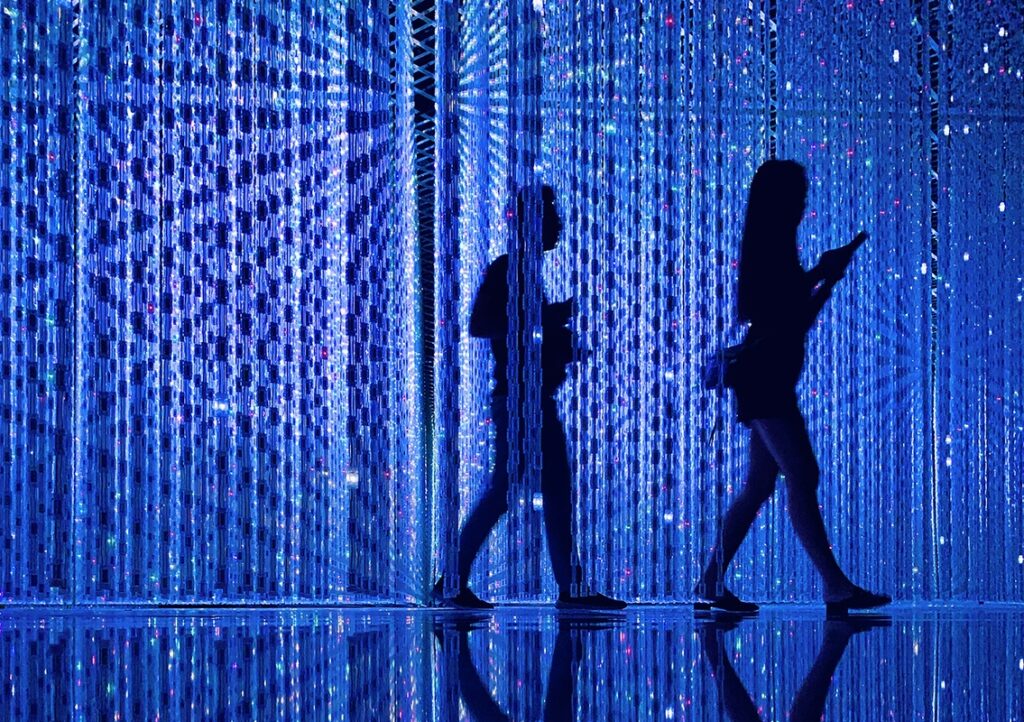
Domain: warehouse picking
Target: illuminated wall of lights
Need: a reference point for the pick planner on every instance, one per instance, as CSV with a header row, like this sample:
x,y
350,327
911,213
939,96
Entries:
x,y
210,385
652,121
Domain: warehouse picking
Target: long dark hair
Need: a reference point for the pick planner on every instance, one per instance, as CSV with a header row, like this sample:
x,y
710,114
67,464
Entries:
x,y
768,253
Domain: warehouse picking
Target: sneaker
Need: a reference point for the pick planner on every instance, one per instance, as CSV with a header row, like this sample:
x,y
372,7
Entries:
x,y
465,599
589,601
727,602
859,598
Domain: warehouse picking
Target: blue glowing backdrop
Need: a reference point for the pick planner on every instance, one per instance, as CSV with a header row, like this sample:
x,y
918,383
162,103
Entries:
x,y
224,379
652,120
209,342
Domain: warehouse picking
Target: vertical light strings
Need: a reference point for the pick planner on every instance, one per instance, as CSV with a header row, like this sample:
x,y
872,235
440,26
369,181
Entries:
x,y
210,330
654,121
211,291
38,220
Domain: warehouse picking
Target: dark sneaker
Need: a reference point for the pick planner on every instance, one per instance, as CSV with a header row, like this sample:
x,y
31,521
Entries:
x,y
727,602
465,599
859,598
589,601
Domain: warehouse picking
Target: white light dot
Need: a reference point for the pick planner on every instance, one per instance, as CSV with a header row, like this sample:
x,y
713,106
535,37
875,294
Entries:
x,y
967,256
895,56
924,269
1020,558
789,85
984,68
949,461
1002,32
942,540
1002,207
945,129
538,501
967,129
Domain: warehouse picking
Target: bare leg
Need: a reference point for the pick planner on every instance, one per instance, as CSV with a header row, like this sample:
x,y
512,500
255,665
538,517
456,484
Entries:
x,y
786,438
758,486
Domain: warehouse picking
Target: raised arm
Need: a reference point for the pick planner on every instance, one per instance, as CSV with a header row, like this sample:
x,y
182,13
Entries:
x,y
828,272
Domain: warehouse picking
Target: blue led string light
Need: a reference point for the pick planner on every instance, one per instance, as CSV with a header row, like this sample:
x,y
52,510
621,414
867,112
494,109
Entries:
x,y
210,387
654,120
211,331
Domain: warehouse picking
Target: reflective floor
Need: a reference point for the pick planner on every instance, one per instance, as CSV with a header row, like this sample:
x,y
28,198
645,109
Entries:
x,y
519,663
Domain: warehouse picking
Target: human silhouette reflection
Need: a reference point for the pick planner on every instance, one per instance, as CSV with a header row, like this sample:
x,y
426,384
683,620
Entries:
x,y
809,702
781,301
490,320
453,636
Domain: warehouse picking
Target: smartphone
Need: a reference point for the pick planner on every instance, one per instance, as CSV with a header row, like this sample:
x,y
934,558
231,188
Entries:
x,y
857,242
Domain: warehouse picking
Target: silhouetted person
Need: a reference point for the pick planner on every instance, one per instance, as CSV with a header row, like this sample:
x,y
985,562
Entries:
x,y
781,301
489,319
809,702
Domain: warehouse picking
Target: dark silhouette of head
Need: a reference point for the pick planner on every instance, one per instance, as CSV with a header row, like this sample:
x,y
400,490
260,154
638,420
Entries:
x,y
775,207
540,200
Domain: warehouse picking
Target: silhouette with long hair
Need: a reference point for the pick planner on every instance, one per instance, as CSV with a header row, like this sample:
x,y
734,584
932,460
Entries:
x,y
809,703
489,319
780,300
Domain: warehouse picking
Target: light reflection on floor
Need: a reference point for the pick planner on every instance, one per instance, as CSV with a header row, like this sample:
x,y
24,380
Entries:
x,y
520,663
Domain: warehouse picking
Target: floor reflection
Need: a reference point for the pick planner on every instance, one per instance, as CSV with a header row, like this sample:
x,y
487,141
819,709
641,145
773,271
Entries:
x,y
517,663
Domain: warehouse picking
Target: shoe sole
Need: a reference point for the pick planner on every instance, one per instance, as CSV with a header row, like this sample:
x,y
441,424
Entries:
x,y
708,607
586,608
840,609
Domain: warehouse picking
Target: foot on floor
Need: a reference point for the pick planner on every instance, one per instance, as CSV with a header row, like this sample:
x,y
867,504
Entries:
x,y
858,598
726,602
465,599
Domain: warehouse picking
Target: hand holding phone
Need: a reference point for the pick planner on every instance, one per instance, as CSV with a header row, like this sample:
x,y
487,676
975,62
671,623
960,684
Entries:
x,y
833,264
